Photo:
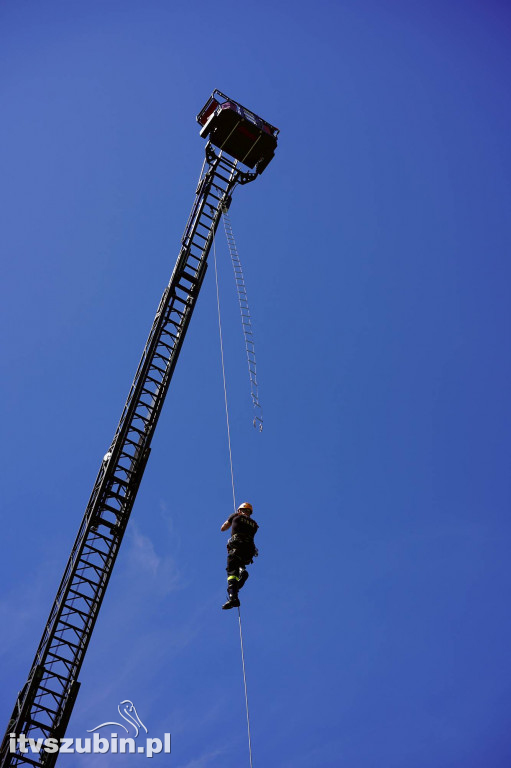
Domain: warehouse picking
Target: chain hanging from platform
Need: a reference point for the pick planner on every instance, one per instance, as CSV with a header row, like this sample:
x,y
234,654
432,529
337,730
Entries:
x,y
245,320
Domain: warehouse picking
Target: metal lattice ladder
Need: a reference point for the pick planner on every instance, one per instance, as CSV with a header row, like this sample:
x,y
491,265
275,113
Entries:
x,y
44,705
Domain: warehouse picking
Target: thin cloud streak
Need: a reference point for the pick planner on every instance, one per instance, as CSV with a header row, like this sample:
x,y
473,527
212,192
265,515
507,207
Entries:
x,y
205,760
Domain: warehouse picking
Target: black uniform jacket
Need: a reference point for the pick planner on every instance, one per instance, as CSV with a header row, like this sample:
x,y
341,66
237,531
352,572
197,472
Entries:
x,y
243,525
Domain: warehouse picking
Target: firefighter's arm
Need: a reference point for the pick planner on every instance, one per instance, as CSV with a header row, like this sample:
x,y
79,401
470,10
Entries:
x,y
226,525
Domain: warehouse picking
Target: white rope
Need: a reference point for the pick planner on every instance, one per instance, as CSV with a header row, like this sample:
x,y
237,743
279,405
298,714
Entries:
x,y
223,374
232,481
246,697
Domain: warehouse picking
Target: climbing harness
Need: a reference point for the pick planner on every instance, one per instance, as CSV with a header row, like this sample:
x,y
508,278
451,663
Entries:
x,y
246,321
237,538
242,539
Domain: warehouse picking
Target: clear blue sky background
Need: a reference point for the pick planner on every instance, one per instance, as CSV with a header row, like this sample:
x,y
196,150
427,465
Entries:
x,y
376,251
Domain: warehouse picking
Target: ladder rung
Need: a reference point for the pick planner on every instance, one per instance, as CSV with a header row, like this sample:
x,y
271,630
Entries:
x,y
64,661
25,759
38,724
107,508
22,758
43,708
72,610
111,526
97,568
95,549
71,626
158,356
87,598
182,301
154,367
193,280
169,348
51,693
84,579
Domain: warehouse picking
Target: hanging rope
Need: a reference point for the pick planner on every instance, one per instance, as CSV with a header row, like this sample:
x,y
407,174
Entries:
x,y
232,481
246,320
223,374
246,697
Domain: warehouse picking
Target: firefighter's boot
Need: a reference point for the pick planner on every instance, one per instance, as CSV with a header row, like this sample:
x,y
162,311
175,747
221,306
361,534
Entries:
x,y
232,602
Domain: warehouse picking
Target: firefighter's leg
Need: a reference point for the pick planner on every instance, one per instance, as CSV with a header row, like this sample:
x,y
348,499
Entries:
x,y
243,576
233,579
246,557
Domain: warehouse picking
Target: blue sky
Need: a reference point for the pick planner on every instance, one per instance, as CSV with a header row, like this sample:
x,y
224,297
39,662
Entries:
x,y
376,254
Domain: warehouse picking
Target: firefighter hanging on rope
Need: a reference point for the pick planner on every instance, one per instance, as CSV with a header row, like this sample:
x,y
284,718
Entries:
x,y
240,551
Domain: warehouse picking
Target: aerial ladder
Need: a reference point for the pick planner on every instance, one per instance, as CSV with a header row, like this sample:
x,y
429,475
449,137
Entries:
x,y
240,146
